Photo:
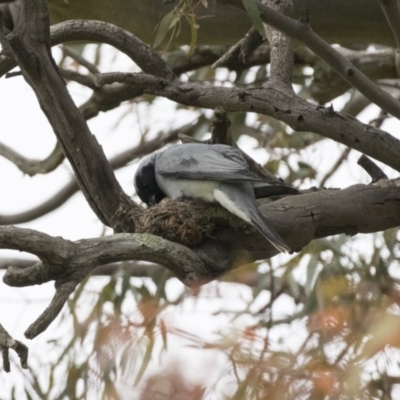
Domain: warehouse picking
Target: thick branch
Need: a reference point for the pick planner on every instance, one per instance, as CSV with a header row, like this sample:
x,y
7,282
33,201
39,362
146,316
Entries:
x,y
378,64
297,113
281,47
298,219
65,260
294,111
29,44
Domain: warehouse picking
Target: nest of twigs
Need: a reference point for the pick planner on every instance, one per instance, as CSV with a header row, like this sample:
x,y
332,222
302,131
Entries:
x,y
186,221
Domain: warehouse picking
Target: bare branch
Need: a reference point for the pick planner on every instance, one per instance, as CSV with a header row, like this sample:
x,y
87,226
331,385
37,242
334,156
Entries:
x,y
241,51
294,111
302,31
51,312
69,51
338,163
6,343
87,158
371,168
33,167
84,80
377,64
72,187
281,47
66,261
46,207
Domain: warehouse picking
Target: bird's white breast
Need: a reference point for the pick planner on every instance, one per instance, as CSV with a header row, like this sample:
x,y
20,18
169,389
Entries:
x,y
176,188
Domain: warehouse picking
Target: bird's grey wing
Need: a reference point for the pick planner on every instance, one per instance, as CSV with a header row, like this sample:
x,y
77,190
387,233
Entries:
x,y
204,162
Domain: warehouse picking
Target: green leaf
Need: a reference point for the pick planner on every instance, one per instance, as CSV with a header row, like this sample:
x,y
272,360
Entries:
x,y
168,22
254,14
193,30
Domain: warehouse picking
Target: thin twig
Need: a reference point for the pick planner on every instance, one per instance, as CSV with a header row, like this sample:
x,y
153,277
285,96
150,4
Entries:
x,y
76,56
32,167
335,166
371,168
6,343
241,51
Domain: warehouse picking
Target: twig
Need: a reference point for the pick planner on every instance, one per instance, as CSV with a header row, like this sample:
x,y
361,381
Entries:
x,y
335,166
6,343
241,51
33,167
371,168
69,51
84,80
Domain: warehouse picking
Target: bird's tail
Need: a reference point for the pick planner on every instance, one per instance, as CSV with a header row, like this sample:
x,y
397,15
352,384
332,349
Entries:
x,y
239,200
268,231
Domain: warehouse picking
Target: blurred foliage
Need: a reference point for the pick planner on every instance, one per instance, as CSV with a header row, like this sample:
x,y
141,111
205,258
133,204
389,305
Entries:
x,y
320,324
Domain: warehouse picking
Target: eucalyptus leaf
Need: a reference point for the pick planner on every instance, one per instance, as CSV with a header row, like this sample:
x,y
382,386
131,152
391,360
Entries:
x,y
254,14
167,23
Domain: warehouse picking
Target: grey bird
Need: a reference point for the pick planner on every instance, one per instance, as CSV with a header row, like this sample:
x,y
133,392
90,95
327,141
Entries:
x,y
214,173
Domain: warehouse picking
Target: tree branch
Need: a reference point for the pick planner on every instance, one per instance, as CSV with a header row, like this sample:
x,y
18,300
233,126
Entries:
x,y
338,163
6,343
294,111
87,158
302,31
371,168
281,48
327,84
33,167
72,187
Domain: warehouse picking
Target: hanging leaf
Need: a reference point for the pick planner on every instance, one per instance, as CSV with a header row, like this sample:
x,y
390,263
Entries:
x,y
167,23
254,14
193,31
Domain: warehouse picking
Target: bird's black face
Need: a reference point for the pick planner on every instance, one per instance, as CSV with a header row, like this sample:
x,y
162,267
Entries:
x,y
146,184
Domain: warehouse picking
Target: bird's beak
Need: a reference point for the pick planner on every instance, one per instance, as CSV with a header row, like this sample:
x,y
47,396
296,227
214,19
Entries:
x,y
152,200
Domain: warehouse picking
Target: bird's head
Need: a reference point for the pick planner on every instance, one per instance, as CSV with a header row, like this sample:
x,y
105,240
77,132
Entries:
x,y
145,182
